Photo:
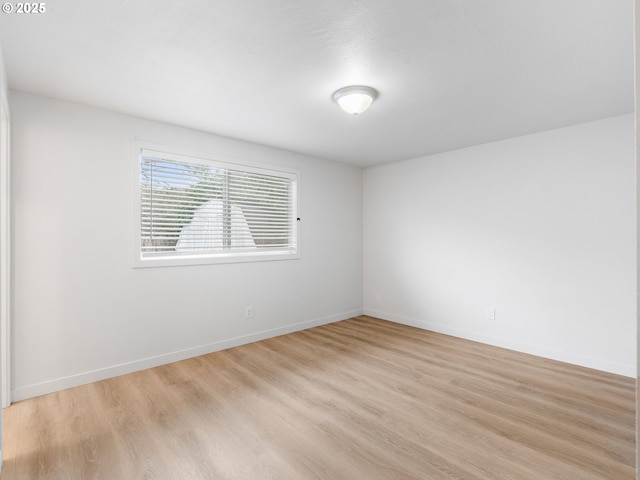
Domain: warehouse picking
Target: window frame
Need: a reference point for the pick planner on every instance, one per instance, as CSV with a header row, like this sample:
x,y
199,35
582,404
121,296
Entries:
x,y
219,161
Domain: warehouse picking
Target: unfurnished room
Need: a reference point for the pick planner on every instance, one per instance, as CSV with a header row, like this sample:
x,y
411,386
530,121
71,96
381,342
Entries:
x,y
338,240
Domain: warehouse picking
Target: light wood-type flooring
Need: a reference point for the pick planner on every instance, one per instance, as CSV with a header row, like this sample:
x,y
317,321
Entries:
x,y
359,399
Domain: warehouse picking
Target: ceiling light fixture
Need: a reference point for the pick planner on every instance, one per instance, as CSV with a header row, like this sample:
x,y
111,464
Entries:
x,y
355,99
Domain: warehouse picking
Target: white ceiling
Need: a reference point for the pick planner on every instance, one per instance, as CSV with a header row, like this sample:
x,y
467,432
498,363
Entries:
x,y
451,73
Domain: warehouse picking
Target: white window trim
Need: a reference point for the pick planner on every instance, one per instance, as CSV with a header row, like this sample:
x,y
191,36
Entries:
x,y
212,258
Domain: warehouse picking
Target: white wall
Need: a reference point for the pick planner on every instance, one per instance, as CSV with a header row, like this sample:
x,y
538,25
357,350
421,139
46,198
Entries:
x,y
5,270
636,8
540,227
83,313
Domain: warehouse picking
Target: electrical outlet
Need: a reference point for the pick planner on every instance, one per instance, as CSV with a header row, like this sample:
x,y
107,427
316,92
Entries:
x,y
491,313
248,312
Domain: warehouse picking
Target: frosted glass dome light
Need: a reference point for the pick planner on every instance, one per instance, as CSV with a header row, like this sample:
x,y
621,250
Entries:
x,y
355,99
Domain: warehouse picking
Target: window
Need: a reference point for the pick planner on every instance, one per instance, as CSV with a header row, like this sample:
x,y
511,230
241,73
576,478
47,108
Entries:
x,y
194,210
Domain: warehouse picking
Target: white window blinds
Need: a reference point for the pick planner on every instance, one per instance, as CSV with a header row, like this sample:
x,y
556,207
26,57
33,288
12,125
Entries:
x,y
198,208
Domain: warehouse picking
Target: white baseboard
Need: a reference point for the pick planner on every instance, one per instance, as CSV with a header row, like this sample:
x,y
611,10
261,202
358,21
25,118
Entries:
x,y
567,357
58,384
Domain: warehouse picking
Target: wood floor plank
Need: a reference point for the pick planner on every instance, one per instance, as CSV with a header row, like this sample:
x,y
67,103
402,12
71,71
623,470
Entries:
x,y
362,398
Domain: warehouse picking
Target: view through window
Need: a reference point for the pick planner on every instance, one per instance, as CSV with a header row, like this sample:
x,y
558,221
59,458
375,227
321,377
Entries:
x,y
199,210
